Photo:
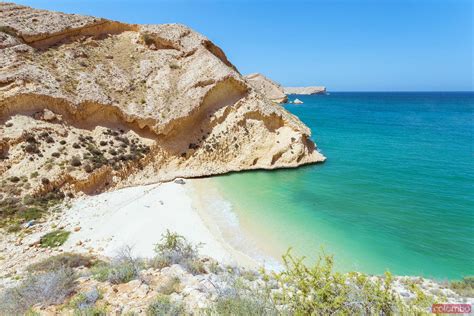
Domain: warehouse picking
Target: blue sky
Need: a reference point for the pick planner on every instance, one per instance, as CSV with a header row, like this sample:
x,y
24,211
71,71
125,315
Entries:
x,y
364,45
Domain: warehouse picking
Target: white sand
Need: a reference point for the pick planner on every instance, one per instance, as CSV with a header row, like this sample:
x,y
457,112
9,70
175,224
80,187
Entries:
x,y
137,217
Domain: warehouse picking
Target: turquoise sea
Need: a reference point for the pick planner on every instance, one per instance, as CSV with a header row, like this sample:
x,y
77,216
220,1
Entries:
x,y
396,192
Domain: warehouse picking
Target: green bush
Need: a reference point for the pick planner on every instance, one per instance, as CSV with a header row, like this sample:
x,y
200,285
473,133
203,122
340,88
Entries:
x,y
90,311
318,290
465,287
54,239
31,213
162,306
83,304
116,273
241,306
14,211
122,269
175,249
14,179
75,161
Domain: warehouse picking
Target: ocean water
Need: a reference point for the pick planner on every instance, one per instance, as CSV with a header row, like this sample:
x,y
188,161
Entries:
x,y
396,192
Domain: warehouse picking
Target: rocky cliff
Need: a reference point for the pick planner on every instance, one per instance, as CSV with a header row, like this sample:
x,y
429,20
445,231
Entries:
x,y
88,103
305,90
270,89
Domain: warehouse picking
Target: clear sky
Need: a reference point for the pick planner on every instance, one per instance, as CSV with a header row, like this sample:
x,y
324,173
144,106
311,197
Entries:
x,y
346,45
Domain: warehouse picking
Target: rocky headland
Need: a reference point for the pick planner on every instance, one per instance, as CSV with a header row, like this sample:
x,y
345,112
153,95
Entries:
x,y
269,88
90,104
304,90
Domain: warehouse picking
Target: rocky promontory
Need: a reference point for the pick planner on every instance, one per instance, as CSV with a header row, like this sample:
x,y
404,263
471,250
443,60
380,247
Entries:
x,y
305,90
88,104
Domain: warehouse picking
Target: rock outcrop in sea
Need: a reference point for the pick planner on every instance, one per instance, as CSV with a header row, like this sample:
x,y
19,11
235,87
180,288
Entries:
x,y
297,101
88,104
304,90
269,88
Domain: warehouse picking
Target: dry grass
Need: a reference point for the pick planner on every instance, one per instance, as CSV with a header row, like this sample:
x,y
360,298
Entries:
x,y
47,288
69,260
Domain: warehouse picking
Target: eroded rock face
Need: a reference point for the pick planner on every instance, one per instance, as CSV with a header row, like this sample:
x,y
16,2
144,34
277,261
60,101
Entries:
x,y
166,87
270,89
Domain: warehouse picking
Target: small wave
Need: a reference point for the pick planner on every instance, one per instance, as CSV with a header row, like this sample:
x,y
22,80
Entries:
x,y
229,226
222,209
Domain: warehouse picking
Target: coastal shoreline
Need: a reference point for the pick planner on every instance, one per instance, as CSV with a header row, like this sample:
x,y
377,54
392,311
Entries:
x,y
220,216
156,208
134,217
102,225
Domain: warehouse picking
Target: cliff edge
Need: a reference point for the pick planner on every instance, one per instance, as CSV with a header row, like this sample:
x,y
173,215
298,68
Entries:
x,y
270,89
87,104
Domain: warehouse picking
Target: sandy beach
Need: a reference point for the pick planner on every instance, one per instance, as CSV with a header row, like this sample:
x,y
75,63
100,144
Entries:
x,y
138,216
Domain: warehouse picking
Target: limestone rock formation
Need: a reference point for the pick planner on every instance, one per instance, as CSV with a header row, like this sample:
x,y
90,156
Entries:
x,y
87,104
305,90
272,90
297,101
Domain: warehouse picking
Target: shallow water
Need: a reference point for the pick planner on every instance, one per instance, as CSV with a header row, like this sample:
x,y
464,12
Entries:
x,y
396,192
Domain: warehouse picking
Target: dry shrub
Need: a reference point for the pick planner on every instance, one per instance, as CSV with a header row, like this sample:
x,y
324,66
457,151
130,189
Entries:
x,y
47,288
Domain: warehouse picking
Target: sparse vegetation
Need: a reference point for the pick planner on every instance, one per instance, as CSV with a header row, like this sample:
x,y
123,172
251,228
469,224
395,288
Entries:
x,y
75,161
163,306
237,298
148,39
54,239
318,290
175,249
31,213
122,269
67,259
83,304
14,179
15,211
464,287
47,288
88,168
32,148
296,290
242,306
170,286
